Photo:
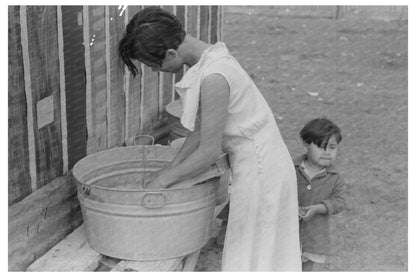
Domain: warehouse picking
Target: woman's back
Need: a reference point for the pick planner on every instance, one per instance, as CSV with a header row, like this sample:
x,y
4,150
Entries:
x,y
262,232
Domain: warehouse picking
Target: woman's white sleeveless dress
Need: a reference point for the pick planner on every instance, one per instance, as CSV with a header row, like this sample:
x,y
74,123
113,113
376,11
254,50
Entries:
x,y
263,228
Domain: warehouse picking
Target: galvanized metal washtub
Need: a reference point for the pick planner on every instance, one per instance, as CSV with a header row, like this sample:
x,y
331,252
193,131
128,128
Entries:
x,y
125,221
225,178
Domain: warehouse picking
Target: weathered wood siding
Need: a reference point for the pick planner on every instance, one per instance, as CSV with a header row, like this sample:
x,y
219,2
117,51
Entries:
x,y
69,96
117,96
42,45
19,175
74,80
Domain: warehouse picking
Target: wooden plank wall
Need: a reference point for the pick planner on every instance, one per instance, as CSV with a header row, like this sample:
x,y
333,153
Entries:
x,y
133,88
74,81
115,78
69,96
167,79
19,175
42,44
40,221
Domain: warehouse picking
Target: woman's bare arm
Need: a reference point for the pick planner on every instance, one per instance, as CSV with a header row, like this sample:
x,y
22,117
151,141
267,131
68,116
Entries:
x,y
214,108
190,144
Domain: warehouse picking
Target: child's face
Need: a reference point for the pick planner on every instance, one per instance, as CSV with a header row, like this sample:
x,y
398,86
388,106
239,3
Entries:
x,y
320,156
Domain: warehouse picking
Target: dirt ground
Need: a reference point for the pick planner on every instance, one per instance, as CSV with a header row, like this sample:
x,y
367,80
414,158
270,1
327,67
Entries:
x,y
354,71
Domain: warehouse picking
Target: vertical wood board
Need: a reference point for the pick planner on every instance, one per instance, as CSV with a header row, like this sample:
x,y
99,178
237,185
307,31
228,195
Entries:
x,y
150,98
75,83
97,136
192,18
116,127
214,24
62,96
133,91
167,87
149,105
167,78
204,20
29,97
180,14
18,156
220,22
44,72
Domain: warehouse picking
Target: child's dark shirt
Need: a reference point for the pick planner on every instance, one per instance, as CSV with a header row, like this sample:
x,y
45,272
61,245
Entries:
x,y
328,188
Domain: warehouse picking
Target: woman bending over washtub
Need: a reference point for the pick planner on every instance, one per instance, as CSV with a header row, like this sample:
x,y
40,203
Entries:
x,y
224,110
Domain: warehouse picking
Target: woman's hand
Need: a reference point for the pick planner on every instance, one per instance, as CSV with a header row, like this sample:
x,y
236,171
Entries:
x,y
148,178
154,180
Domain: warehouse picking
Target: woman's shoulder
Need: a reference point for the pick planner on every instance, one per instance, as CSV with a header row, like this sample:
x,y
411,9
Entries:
x,y
223,66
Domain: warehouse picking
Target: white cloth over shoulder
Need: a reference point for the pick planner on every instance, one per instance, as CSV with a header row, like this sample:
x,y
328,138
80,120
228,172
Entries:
x,y
263,227
189,86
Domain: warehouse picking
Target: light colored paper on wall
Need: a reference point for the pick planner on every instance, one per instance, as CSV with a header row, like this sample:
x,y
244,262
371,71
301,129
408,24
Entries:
x,y
45,111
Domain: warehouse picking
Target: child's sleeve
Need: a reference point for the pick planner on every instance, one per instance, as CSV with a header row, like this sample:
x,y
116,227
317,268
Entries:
x,y
336,202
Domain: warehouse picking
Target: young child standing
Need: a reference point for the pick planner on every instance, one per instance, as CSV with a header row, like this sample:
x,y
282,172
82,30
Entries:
x,y
321,190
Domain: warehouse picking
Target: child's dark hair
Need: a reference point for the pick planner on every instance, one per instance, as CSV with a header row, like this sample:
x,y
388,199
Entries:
x,y
319,131
148,35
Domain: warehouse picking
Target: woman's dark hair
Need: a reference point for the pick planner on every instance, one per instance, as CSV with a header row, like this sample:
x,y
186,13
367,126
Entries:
x,y
319,131
148,35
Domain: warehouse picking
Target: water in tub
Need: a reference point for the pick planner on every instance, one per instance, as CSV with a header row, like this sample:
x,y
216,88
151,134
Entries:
x,y
127,180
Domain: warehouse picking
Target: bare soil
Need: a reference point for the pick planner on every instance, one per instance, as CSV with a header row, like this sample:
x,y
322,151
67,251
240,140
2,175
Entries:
x,y
354,71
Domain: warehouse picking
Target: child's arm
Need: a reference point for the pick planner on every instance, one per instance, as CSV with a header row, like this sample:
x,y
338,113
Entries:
x,y
336,202
312,210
